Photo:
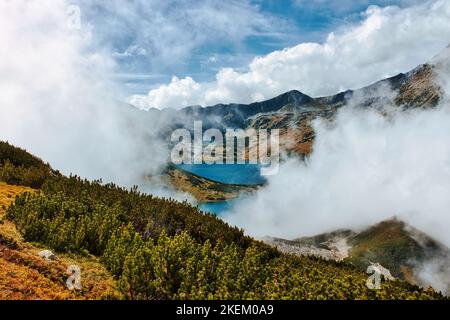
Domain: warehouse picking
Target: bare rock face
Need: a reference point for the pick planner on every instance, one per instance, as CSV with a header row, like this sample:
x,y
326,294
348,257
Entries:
x,y
421,89
333,246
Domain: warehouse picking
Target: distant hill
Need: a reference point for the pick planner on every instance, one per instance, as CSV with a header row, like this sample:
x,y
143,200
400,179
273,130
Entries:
x,y
19,157
19,167
395,245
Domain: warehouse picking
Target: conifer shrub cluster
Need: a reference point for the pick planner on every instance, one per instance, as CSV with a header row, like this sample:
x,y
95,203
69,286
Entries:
x,y
162,249
18,167
159,248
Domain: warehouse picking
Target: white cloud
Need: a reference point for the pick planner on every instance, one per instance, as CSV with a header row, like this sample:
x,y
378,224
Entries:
x,y
366,166
346,6
388,41
58,100
170,31
364,169
131,51
178,91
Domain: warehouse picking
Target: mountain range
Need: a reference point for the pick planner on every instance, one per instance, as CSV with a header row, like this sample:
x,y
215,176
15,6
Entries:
x,y
397,246
414,89
293,112
190,254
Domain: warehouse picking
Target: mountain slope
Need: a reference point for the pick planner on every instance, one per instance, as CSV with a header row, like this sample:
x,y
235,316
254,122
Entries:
x,y
161,249
395,245
420,90
24,275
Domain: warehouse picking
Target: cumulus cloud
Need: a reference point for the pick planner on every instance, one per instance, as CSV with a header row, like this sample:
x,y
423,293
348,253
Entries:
x,y
179,91
388,41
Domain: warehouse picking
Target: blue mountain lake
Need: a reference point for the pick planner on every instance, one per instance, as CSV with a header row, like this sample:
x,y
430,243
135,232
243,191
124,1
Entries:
x,y
246,174
217,208
243,174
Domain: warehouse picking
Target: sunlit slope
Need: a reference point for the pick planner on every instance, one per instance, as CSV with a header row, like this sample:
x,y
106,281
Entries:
x,y
26,275
397,246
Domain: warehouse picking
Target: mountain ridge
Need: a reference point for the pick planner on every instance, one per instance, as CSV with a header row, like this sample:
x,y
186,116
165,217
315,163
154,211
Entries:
x,y
298,98
401,248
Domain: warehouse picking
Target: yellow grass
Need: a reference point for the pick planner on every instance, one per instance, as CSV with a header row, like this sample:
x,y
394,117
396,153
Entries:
x,y
8,194
24,275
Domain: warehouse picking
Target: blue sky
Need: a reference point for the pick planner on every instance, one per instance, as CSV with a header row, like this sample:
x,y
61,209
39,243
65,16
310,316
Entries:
x,y
311,20
271,25
176,53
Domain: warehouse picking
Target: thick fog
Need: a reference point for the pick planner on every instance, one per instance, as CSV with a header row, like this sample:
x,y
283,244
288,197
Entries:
x,y
366,166
59,99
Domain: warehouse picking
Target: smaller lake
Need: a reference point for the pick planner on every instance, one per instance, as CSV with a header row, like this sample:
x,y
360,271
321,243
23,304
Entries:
x,y
217,208
244,174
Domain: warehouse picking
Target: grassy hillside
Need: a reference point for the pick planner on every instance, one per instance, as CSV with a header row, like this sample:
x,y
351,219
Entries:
x,y
395,245
26,276
162,249
18,167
